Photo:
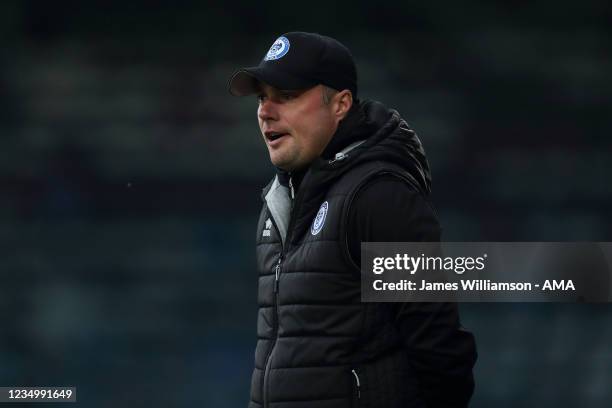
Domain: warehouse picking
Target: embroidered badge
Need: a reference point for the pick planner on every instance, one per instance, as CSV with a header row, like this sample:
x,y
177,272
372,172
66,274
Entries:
x,y
319,221
278,49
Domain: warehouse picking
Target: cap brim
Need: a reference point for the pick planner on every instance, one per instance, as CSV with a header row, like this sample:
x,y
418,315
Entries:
x,y
246,81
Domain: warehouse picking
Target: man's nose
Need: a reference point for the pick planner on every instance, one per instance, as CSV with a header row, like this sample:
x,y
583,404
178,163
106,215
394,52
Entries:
x,y
267,110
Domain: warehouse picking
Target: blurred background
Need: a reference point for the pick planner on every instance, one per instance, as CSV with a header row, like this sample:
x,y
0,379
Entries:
x,y
130,182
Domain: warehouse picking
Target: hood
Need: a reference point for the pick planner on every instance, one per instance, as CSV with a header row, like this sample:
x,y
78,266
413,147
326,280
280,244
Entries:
x,y
374,132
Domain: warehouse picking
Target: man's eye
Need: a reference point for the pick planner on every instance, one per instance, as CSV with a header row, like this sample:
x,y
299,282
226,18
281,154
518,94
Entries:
x,y
260,98
287,95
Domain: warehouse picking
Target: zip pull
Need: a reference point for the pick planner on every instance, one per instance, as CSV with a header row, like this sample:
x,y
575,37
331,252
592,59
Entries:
x,y
339,156
277,274
291,188
358,383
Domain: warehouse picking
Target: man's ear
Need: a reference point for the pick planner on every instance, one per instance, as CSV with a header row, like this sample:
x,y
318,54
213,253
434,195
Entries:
x,y
344,101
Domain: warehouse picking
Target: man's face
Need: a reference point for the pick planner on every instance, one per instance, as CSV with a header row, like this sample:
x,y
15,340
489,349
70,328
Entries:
x,y
295,125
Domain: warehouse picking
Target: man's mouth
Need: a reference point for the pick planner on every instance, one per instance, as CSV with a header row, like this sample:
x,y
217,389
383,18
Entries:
x,y
272,136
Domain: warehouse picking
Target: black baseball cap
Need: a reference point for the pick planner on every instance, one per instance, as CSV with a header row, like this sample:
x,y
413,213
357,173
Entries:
x,y
299,60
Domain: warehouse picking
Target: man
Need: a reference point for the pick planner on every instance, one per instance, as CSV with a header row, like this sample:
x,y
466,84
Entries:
x,y
348,171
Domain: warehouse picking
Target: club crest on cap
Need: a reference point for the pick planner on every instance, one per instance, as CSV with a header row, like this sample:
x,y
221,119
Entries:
x,y
278,49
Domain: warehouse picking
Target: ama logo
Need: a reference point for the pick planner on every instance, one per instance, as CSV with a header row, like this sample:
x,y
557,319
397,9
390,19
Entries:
x,y
319,221
278,49
558,285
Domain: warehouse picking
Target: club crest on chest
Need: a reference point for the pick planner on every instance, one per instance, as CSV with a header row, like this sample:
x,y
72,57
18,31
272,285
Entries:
x,y
319,221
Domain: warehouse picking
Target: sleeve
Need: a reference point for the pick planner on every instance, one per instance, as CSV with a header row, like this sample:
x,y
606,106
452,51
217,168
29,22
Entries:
x,y
441,351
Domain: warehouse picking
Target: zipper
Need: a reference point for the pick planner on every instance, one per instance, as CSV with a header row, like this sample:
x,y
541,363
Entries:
x,y
342,154
357,383
292,189
339,156
277,275
277,271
